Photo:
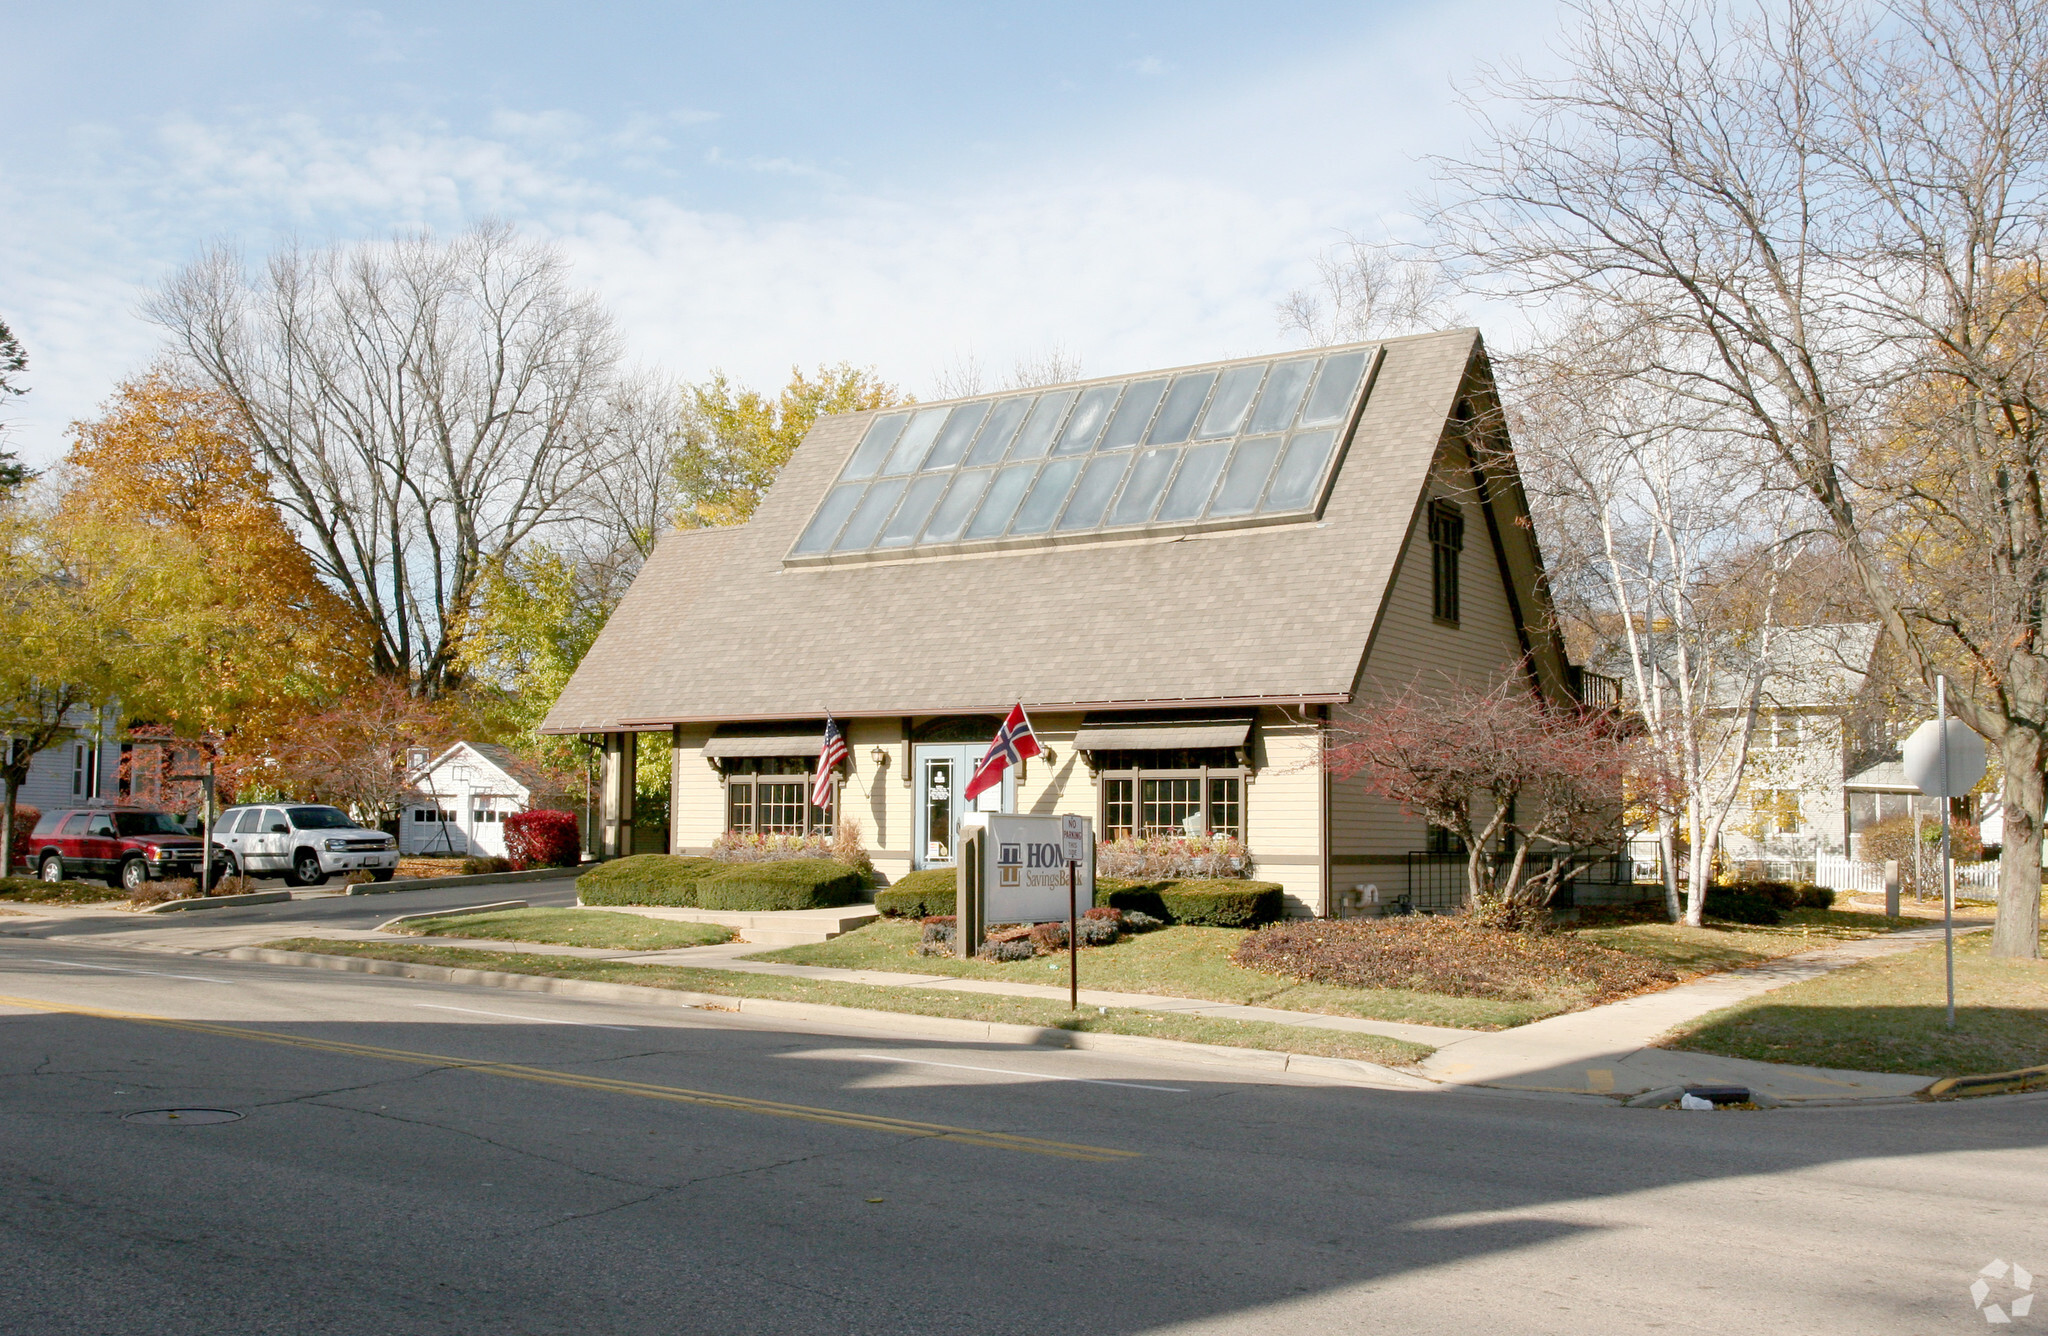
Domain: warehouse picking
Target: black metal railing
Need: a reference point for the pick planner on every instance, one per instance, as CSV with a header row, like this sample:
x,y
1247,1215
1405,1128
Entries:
x,y
1438,883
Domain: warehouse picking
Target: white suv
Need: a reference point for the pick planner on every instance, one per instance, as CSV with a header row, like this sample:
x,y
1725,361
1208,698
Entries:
x,y
306,844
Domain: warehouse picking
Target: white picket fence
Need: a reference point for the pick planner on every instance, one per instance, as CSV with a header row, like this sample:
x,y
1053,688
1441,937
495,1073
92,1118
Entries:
x,y
1974,881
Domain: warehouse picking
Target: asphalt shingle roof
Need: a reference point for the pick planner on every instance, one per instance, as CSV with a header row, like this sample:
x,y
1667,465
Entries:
x,y
717,627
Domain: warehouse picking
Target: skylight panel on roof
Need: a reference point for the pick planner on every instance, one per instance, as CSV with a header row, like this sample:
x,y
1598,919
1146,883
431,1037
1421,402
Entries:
x,y
1248,442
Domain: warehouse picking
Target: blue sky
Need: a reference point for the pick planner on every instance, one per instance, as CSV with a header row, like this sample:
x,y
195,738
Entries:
x,y
747,186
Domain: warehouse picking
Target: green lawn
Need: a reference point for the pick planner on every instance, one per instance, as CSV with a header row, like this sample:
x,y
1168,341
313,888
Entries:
x,y
573,927
1890,1015
1195,962
916,1001
1703,950
1171,962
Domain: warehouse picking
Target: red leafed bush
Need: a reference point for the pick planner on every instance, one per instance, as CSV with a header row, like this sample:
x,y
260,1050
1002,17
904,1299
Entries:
x,y
1450,955
543,838
25,818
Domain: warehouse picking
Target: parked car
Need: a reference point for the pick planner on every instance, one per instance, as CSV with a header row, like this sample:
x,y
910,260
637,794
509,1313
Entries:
x,y
126,845
306,843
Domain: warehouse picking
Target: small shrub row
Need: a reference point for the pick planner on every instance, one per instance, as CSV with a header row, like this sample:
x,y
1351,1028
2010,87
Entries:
x,y
844,846
33,890
1161,857
475,866
1208,904
704,883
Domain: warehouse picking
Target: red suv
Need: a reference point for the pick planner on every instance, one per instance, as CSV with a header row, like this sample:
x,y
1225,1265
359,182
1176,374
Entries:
x,y
126,845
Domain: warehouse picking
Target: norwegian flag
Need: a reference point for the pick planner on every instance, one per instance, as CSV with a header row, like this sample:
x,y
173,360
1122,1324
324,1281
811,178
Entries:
x,y
1014,741
829,759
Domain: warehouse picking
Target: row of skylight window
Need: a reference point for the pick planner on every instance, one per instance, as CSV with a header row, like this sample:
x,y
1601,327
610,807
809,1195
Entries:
x,y
1235,442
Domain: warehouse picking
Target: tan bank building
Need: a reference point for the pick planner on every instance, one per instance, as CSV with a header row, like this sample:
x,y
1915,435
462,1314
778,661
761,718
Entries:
x,y
1186,576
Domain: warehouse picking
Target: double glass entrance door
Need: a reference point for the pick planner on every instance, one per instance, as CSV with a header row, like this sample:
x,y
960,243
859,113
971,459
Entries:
x,y
942,772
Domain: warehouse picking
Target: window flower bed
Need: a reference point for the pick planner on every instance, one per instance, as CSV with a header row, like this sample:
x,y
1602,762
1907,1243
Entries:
x,y
1173,858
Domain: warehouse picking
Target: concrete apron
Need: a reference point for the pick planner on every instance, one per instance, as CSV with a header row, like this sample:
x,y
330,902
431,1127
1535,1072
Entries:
x,y
1608,1050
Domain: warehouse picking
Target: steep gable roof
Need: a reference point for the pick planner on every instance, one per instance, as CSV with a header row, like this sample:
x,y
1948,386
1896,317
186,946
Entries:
x,y
725,628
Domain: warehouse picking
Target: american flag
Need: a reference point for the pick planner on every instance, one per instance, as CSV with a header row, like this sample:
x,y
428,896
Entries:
x,y
1014,741
829,759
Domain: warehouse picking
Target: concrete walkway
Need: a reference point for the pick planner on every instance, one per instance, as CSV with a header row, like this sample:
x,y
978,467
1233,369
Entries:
x,y
1607,1050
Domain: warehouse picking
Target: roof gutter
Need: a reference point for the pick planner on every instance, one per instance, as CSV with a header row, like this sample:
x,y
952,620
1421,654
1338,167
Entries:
x,y
1160,703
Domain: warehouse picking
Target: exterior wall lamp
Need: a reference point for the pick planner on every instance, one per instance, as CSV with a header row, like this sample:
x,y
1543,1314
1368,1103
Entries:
x,y
880,756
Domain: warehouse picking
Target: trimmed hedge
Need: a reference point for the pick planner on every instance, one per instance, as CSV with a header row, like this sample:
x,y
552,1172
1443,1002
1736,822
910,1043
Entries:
x,y
924,894
1730,905
1208,904
793,883
646,879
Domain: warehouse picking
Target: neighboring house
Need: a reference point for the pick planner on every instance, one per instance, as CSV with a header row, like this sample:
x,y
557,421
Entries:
x,y
467,792
80,770
1184,576
1816,725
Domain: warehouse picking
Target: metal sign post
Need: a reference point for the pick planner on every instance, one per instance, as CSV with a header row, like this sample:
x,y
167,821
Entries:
x,y
1944,762
1073,835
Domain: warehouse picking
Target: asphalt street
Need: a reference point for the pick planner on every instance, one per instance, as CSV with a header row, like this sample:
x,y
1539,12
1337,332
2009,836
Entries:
x,y
417,1157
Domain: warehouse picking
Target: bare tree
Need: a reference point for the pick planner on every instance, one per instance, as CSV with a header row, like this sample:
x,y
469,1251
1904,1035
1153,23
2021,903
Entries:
x,y
1668,546
423,407
1835,212
1056,365
1366,290
626,506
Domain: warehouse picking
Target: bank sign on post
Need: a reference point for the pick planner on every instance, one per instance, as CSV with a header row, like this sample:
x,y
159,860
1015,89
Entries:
x,y
1027,869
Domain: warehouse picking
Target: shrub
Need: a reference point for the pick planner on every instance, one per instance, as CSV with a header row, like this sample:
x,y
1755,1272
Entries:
x,y
1048,936
1210,904
1097,931
359,877
1737,904
1445,954
1159,856
25,821
543,838
740,847
919,894
477,867
163,892
1005,951
646,879
848,848
1138,920
238,884
795,883
1102,912
1894,838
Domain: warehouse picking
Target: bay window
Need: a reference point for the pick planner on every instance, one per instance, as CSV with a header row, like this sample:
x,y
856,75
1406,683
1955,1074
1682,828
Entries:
x,y
1153,793
771,795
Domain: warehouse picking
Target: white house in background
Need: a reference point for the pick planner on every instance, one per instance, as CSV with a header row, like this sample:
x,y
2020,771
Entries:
x,y
466,793
82,770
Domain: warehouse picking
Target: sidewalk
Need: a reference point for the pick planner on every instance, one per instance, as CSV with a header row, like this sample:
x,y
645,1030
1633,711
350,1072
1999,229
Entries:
x,y
1607,1050
1603,1051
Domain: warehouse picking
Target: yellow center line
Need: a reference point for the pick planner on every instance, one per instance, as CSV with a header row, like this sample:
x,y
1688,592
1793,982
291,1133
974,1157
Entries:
x,y
608,1085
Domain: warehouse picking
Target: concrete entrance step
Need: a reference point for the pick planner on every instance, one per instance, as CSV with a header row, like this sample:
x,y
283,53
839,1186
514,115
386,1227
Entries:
x,y
779,927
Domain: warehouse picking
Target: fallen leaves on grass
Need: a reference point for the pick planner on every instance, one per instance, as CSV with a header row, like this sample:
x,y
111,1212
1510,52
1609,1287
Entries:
x,y
1447,955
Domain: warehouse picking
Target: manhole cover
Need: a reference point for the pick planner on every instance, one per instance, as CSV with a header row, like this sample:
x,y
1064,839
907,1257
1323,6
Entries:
x,y
188,1117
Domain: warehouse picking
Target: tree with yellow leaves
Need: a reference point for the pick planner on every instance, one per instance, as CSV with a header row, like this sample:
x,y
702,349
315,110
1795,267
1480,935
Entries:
x,y
736,440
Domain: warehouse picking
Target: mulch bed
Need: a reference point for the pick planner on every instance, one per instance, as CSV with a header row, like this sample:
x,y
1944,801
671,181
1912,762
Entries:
x,y
1450,955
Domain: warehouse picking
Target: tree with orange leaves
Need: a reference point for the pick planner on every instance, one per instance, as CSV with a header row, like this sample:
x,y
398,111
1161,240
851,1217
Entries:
x,y
166,455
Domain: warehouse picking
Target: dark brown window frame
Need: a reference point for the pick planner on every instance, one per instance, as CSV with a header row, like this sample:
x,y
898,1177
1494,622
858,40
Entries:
x,y
1446,541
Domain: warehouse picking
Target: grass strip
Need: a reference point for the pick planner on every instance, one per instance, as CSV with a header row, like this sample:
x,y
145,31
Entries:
x,y
573,927
1195,962
914,1001
1890,1015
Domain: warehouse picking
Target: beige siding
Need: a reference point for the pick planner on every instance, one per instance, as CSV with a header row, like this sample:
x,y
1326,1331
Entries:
x,y
877,796
696,800
1284,809
1370,838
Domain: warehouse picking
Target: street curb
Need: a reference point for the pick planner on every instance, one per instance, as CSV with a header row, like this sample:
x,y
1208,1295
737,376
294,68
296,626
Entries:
x,y
218,902
1987,1083
1351,1070
388,924
476,879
